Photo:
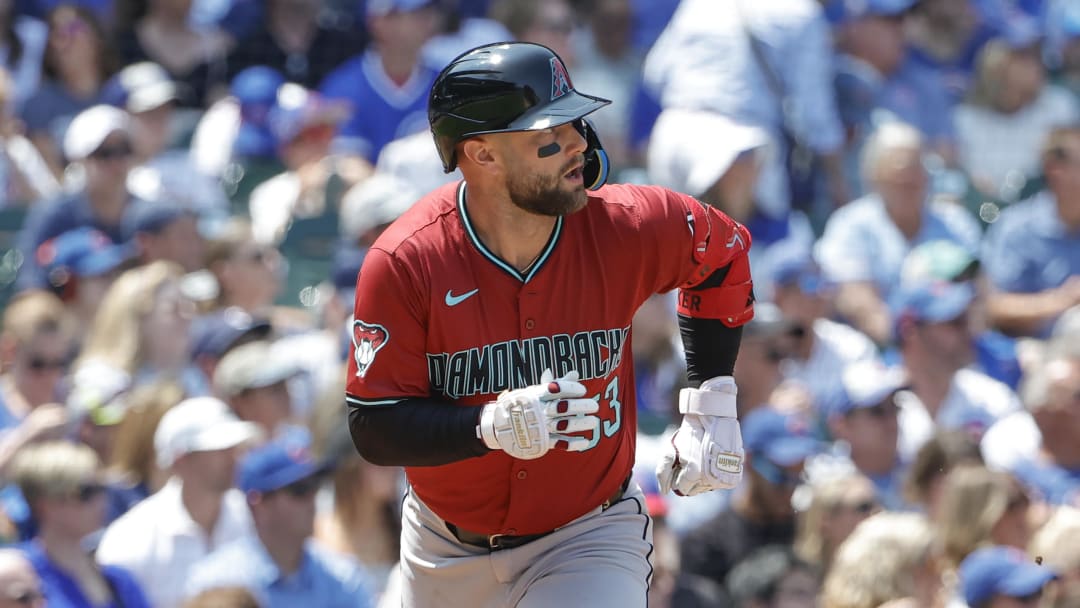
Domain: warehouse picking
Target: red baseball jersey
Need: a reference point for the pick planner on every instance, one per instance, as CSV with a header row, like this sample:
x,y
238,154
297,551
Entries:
x,y
439,315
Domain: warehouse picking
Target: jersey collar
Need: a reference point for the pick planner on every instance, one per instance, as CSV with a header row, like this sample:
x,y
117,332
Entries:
x,y
494,259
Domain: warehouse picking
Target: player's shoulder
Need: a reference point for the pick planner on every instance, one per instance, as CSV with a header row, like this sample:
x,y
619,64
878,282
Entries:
x,y
635,201
424,224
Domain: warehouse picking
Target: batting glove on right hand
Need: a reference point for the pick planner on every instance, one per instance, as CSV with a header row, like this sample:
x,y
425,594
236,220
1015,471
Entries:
x,y
527,422
706,452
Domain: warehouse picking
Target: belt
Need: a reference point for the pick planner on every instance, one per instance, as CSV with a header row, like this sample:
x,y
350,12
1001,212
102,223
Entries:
x,y
496,542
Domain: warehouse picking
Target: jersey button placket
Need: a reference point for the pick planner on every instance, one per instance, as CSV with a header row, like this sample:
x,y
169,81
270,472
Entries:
x,y
522,474
530,324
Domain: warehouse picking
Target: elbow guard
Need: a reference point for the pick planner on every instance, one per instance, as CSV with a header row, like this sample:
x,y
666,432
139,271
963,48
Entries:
x,y
725,294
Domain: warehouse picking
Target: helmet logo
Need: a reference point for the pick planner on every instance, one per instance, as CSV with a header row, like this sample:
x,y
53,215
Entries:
x,y
560,80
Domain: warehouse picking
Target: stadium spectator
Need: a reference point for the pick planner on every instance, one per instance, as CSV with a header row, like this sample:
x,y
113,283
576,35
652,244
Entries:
x,y
78,60
1058,544
215,334
866,428
162,173
763,349
945,36
943,452
837,504
1009,112
248,274
1031,254
762,64
197,510
253,381
62,483
978,508
295,41
24,176
999,577
371,206
142,328
132,465
388,84
99,141
22,47
866,241
167,232
888,557
819,348
933,329
161,31
280,564
1037,445
224,597
37,342
773,576
79,266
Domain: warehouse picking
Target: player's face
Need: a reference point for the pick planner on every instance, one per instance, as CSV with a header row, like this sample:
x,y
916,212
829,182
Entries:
x,y
544,170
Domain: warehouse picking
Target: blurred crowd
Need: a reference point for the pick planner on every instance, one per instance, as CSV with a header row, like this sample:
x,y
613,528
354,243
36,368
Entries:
x,y
188,188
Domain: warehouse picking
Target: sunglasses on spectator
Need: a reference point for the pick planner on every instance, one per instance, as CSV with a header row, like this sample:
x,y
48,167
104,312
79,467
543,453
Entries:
x,y
303,488
41,364
864,507
87,492
117,152
774,474
881,410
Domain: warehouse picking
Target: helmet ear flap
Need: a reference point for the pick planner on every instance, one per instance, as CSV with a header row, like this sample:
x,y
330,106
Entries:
x,y
597,164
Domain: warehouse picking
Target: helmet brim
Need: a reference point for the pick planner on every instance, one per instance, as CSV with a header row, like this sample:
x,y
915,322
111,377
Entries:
x,y
571,106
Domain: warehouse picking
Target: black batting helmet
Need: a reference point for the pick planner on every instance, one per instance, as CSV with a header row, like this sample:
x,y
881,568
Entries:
x,y
511,86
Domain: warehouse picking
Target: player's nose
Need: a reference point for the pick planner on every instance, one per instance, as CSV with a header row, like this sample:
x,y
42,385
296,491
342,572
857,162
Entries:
x,y
575,143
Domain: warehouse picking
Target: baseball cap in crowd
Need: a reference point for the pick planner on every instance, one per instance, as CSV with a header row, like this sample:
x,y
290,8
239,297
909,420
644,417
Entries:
x,y
251,365
97,392
279,463
140,87
378,200
296,109
784,438
255,88
1001,570
1020,31
690,150
842,11
378,8
767,321
794,267
932,302
82,252
940,260
199,424
152,217
91,127
214,334
867,384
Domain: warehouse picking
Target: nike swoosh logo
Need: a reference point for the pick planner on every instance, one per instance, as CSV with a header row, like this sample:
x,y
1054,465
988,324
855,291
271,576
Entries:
x,y
452,300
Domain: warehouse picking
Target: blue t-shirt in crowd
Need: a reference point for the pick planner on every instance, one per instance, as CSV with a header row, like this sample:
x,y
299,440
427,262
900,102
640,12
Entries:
x,y
63,591
381,110
1029,250
956,75
51,109
324,579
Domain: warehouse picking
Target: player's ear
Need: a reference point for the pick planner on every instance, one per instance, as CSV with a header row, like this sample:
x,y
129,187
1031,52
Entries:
x,y
480,152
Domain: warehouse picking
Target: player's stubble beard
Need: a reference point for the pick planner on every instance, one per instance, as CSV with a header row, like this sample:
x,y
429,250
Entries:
x,y
545,194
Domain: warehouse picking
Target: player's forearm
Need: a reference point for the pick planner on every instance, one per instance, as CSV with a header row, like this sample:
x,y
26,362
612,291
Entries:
x,y
711,348
416,433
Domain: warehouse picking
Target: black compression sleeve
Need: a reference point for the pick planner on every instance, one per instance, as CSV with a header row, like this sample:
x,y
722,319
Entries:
x,y
711,348
416,433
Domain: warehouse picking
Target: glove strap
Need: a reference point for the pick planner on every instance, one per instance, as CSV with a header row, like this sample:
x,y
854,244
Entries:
x,y
486,429
708,402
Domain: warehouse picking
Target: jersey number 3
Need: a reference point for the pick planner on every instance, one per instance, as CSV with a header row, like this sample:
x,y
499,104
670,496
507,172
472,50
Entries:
x,y
609,427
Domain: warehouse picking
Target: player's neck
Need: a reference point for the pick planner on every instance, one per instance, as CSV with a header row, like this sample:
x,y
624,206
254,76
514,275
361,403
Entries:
x,y
516,236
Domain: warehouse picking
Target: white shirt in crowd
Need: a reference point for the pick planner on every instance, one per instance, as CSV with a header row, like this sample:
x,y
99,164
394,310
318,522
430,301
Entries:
x,y
158,542
835,347
1012,440
999,149
974,403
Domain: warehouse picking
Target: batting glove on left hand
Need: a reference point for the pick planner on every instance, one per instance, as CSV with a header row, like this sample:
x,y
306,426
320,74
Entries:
x,y
706,452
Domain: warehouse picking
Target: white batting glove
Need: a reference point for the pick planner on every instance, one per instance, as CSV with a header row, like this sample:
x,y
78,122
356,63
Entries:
x,y
706,452
527,422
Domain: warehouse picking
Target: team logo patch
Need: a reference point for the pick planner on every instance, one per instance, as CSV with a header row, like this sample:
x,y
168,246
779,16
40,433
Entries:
x,y
560,80
368,339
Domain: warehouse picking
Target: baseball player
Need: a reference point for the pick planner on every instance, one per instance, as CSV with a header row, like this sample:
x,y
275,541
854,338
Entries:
x,y
492,347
